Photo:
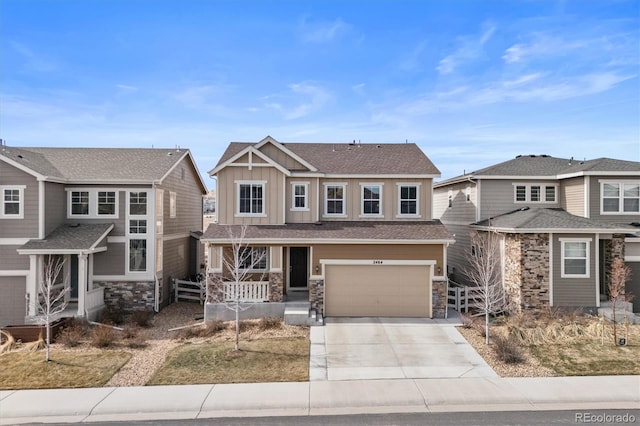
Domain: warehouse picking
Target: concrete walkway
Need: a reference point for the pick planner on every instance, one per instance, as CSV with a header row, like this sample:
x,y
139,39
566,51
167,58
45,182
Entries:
x,y
323,397
392,348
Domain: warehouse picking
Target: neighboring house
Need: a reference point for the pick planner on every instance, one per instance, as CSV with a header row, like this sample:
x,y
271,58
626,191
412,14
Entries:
x,y
561,222
345,227
121,218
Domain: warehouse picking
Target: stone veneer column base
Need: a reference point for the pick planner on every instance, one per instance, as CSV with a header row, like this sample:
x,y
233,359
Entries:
x,y
438,299
215,287
130,296
276,287
316,295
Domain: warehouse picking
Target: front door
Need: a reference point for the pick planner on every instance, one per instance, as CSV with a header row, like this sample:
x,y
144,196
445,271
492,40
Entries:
x,y
298,262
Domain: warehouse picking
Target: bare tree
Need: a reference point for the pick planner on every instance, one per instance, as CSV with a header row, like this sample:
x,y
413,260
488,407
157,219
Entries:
x,y
619,274
241,264
51,298
483,271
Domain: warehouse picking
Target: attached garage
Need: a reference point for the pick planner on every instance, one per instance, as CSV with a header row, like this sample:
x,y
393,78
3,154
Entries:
x,y
12,300
378,288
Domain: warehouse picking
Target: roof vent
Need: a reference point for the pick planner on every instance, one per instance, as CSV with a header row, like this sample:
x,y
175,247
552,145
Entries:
x,y
20,156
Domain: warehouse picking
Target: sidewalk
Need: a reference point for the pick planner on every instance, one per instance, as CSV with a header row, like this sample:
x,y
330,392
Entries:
x,y
322,397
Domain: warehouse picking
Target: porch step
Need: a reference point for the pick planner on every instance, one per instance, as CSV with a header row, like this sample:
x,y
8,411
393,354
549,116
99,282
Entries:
x,y
620,315
620,306
300,313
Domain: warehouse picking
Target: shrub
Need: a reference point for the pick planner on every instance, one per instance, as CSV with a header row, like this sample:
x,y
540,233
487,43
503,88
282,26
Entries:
x,y
210,328
245,325
269,323
507,349
466,320
73,334
130,331
102,337
113,315
142,318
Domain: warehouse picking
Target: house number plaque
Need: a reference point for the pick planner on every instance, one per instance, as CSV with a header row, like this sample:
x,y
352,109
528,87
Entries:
x,y
377,262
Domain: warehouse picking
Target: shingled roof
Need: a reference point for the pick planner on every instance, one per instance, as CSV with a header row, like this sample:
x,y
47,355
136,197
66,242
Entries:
x,y
69,238
86,165
354,158
348,231
547,220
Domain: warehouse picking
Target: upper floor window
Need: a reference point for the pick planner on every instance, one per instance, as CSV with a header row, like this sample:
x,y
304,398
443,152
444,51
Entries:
x,y
450,198
251,198
12,202
137,255
172,204
372,200
467,194
138,203
106,203
620,197
300,196
535,193
408,199
137,226
80,203
334,199
575,257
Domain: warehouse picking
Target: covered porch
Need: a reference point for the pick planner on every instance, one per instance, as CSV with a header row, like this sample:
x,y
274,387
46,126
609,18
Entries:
x,y
73,246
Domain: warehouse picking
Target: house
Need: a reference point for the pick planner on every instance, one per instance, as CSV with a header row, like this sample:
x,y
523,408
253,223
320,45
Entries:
x,y
347,228
122,219
560,221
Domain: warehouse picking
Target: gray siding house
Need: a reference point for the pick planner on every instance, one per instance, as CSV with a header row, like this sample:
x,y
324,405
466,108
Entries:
x,y
122,219
561,223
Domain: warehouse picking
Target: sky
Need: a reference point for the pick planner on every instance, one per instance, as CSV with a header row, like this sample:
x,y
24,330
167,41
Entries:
x,y
473,83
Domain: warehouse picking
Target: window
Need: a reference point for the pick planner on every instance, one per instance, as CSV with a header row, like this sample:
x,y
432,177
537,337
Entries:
x,y
137,255
620,197
137,226
371,199
299,194
138,203
535,193
80,203
409,199
467,194
253,258
12,202
450,198
251,198
172,204
575,258
335,200
106,203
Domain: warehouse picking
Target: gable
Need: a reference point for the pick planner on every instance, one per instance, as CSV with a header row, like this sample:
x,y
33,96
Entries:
x,y
282,158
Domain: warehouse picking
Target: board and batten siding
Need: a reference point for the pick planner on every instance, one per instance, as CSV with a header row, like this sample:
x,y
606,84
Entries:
x,y
390,198
572,195
498,196
112,261
227,202
311,213
55,206
378,252
28,226
576,292
280,157
595,200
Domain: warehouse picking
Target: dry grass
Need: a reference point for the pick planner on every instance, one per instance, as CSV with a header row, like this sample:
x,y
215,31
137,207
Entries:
x,y
260,360
67,369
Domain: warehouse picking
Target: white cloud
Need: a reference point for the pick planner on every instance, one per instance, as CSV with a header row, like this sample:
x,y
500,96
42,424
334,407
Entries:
x,y
33,61
126,88
322,32
470,48
207,98
317,97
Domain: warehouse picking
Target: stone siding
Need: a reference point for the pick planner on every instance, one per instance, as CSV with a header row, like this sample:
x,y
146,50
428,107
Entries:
x,y
215,287
526,271
130,296
438,299
316,295
276,287
513,272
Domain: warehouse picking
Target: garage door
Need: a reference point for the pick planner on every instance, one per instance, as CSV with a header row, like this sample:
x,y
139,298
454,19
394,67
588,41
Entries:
x,y
12,301
377,290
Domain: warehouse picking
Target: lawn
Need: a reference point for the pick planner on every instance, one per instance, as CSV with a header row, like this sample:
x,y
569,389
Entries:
x,y
283,359
68,369
589,358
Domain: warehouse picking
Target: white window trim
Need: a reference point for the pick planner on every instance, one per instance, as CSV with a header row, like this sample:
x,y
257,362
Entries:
x,y
408,215
344,199
173,207
620,211
263,183
587,273
133,234
148,237
450,199
266,260
20,189
93,203
293,197
543,192
380,214
467,194
149,247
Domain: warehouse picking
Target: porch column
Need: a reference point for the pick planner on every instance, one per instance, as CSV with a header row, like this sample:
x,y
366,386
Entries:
x,y
32,286
82,283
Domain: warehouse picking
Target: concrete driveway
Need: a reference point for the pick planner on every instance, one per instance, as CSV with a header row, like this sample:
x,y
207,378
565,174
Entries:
x,y
399,348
